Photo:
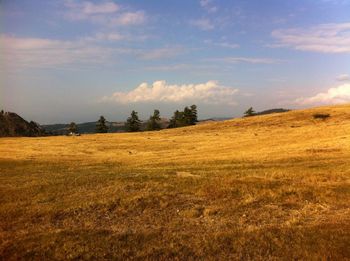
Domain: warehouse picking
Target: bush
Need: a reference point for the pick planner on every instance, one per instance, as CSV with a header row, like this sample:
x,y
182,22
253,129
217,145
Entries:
x,y
321,116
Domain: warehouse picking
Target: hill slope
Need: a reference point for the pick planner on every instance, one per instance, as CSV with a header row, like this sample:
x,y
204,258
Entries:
x,y
11,124
267,187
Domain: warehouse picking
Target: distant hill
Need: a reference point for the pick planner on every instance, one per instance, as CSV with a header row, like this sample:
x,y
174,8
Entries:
x,y
270,111
280,110
84,128
12,125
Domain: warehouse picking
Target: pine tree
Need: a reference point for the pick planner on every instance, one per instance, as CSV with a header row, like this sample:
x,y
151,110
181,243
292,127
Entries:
x,y
72,127
184,118
101,126
153,122
177,120
172,122
250,112
187,116
194,117
133,123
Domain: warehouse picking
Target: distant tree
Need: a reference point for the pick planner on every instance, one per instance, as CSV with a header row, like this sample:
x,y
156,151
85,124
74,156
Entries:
x,y
194,117
177,120
101,126
172,122
184,118
249,112
187,116
133,123
2,111
153,122
73,128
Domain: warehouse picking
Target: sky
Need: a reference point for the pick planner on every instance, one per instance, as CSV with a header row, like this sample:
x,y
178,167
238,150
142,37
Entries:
x,y
72,60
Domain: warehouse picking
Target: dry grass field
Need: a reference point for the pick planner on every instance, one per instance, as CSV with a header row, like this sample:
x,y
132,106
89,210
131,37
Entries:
x,y
273,187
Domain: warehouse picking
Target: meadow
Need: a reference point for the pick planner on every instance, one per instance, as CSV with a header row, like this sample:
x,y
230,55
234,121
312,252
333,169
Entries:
x,y
272,187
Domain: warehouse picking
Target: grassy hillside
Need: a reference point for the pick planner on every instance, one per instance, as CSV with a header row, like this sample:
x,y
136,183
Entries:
x,y
273,187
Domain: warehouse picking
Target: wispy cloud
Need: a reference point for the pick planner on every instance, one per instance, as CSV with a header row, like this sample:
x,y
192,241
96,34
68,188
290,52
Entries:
x,y
39,52
91,8
324,38
161,53
203,24
23,52
160,91
83,10
208,5
223,44
105,13
343,77
252,60
129,18
340,94
102,8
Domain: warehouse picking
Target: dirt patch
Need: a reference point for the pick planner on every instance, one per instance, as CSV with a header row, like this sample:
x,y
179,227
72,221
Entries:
x,y
185,174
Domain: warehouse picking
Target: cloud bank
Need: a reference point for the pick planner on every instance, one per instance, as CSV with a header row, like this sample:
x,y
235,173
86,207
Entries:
x,y
160,91
340,94
324,38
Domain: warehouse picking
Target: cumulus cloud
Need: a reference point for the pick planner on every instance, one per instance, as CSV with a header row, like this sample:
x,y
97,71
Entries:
x,y
340,94
324,38
343,77
203,24
160,91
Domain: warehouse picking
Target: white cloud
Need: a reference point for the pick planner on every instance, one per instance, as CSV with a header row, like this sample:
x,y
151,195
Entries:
x,y
160,91
324,38
129,18
253,60
203,24
340,94
343,77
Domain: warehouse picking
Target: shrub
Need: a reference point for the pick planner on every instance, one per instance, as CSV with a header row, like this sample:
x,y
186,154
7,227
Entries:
x,y
321,116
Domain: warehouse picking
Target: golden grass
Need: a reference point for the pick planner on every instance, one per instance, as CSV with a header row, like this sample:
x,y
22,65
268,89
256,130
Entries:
x,y
273,187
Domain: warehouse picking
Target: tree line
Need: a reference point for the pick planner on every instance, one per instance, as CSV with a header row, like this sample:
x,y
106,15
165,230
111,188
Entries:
x,y
133,124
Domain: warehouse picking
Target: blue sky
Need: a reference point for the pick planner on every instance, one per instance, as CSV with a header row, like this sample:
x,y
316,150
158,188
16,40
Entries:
x,y
72,60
